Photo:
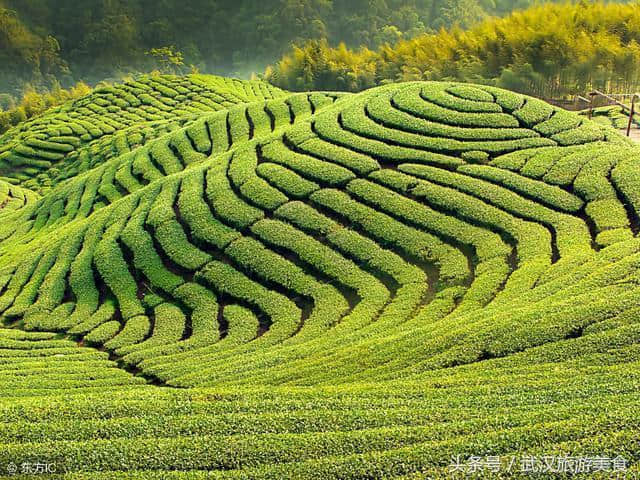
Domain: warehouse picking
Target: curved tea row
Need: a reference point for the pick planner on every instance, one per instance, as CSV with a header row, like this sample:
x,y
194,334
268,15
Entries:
x,y
363,283
75,137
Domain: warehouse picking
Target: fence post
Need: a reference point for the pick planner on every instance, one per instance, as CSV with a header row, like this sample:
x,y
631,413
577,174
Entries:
x,y
631,113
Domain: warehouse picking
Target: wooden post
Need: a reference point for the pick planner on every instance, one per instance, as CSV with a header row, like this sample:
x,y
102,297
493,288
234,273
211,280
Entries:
x,y
631,112
592,96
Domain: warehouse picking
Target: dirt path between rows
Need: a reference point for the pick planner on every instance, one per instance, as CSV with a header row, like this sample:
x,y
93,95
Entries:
x,y
634,134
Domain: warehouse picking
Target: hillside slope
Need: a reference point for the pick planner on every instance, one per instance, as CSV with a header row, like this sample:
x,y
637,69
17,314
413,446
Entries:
x,y
73,138
343,286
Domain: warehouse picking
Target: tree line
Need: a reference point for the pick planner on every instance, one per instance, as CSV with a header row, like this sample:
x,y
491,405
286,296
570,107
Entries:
x,y
43,42
551,50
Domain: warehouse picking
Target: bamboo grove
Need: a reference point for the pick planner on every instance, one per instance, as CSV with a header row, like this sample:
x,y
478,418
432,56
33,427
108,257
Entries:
x,y
547,51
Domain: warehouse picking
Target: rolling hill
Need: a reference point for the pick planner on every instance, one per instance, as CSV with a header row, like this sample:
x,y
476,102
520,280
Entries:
x,y
208,278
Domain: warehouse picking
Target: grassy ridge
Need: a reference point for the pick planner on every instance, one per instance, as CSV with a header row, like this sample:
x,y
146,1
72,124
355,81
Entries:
x,y
343,286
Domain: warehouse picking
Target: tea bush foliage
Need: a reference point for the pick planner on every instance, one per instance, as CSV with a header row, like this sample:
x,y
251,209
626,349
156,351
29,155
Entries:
x,y
208,278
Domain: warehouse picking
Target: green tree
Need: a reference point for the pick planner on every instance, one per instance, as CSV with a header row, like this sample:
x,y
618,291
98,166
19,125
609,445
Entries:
x,y
168,59
550,51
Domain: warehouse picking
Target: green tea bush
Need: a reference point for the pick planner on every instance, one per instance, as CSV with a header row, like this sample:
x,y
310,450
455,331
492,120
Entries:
x,y
206,277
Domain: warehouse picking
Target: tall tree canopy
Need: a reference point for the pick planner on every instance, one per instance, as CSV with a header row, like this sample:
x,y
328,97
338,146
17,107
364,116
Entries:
x,y
548,50
42,41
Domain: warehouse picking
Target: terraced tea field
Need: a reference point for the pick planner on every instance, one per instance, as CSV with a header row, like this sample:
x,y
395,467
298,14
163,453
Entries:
x,y
613,116
208,278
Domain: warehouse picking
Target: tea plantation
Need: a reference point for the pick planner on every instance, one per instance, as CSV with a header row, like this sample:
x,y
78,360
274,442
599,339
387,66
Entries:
x,y
211,278
613,116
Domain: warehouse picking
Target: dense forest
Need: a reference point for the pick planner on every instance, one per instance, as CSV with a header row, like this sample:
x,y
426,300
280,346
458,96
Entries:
x,y
47,41
549,51
51,51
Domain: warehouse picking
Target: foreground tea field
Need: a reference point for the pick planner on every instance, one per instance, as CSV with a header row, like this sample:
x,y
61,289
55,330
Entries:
x,y
207,278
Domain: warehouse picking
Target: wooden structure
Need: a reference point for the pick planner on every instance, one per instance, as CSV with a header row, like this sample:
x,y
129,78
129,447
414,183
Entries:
x,y
613,100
